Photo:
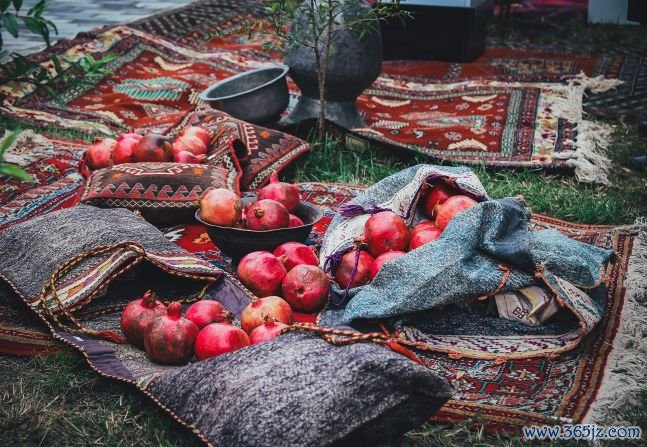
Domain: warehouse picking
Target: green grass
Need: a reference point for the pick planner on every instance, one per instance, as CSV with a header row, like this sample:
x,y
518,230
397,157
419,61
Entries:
x,y
562,196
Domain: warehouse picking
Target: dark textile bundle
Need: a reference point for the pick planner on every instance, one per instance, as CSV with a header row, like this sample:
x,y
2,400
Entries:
x,y
430,293
80,251
300,390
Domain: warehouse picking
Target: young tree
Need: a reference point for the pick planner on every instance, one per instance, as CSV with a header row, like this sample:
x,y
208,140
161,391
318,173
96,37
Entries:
x,y
318,24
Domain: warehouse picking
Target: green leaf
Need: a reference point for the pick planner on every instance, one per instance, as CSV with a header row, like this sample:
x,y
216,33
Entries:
x,y
17,4
4,5
57,65
9,22
8,142
38,8
33,25
15,171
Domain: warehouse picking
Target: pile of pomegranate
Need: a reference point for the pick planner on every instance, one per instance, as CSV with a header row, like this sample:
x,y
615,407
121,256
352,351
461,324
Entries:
x,y
290,274
386,235
189,147
206,329
272,209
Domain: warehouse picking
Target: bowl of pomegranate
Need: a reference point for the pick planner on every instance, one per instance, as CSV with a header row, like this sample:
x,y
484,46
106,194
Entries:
x,y
261,222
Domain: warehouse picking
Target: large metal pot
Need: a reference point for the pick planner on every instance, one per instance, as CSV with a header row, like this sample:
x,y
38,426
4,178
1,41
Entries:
x,y
354,63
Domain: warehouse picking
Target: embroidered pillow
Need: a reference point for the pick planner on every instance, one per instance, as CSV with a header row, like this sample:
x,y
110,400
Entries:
x,y
260,150
164,193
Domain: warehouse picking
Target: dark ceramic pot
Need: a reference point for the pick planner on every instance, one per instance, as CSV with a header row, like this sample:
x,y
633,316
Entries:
x,y
237,242
354,63
257,96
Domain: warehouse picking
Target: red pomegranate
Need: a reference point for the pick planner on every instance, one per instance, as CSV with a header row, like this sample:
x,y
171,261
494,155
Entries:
x,y
437,195
123,136
386,231
124,148
189,143
153,147
199,132
256,313
452,207
99,155
306,288
219,338
347,265
205,312
424,236
169,339
267,214
262,273
138,314
422,226
295,253
188,157
284,193
383,258
221,207
266,331
295,221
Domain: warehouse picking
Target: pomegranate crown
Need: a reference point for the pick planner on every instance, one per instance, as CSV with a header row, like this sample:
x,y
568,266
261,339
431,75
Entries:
x,y
149,298
174,309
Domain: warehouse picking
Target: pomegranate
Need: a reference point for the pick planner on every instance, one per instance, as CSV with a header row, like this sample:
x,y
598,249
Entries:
x,y
306,288
295,253
452,207
188,157
386,231
295,221
267,331
259,310
424,236
134,136
438,194
99,154
189,143
382,259
262,273
124,149
205,312
422,226
284,193
347,265
169,339
199,132
220,207
153,147
267,214
138,314
219,338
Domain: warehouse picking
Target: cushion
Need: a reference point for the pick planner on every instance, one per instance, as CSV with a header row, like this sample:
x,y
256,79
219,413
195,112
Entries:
x,y
164,193
260,150
300,390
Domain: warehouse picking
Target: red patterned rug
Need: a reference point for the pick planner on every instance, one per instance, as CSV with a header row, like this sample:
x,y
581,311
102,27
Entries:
x,y
569,389
509,108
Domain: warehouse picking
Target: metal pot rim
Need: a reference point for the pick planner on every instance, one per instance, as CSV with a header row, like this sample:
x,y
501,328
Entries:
x,y
205,94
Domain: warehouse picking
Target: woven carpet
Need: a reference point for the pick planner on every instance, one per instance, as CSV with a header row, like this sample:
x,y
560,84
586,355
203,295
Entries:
x,y
503,395
509,108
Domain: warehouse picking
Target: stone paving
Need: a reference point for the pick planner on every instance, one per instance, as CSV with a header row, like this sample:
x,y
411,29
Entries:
x,y
74,16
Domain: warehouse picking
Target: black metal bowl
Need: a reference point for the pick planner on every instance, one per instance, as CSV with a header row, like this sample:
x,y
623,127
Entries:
x,y
257,96
237,242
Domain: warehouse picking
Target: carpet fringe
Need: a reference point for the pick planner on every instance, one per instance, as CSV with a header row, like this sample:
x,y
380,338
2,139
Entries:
x,y
26,136
593,138
624,378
